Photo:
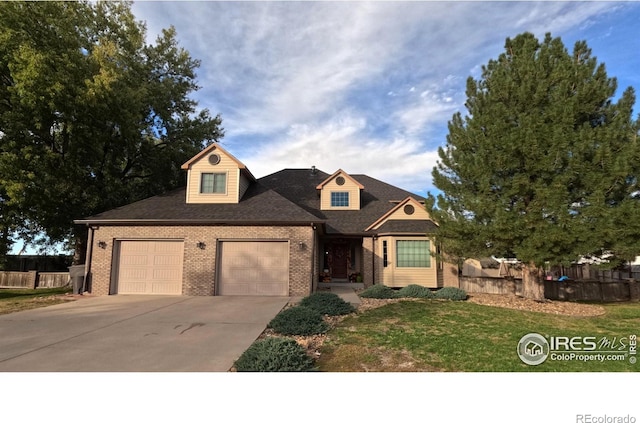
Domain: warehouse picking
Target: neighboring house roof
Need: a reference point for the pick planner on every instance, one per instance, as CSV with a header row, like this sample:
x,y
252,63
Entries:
x,y
285,197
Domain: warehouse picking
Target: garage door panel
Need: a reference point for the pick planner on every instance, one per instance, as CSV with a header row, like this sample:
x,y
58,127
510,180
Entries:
x,y
269,289
254,268
150,267
160,288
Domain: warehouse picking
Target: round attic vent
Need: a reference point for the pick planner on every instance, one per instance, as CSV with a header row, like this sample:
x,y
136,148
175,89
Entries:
x,y
340,180
409,209
214,159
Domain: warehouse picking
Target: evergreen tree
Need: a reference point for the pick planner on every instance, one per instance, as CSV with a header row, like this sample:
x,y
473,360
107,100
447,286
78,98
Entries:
x,y
91,116
545,164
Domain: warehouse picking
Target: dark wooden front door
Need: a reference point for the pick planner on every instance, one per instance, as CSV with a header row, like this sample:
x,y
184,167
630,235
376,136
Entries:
x,y
339,260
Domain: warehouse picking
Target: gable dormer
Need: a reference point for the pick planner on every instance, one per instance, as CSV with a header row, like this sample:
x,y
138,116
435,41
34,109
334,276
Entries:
x,y
340,192
215,176
407,209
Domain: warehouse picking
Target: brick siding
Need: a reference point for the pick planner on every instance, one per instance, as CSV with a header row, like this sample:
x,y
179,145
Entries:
x,y
199,265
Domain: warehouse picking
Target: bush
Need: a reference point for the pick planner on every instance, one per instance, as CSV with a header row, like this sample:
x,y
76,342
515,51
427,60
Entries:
x,y
414,291
299,320
274,355
378,291
451,293
327,303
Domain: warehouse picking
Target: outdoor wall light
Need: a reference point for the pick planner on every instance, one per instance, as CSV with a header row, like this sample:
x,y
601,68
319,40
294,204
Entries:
x,y
201,245
301,245
102,244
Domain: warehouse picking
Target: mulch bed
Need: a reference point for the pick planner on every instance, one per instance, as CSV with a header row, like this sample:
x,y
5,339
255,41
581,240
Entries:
x,y
564,308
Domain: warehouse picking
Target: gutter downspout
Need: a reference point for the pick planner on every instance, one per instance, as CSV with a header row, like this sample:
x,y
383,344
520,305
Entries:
x,y
87,260
313,259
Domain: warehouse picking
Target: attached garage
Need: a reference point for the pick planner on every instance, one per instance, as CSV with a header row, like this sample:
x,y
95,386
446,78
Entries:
x,y
253,268
149,267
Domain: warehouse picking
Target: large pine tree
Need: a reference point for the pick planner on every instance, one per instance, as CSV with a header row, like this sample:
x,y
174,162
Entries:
x,y
544,165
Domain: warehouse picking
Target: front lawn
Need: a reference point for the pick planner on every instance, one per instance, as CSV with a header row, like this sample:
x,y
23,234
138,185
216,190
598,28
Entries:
x,y
431,335
12,300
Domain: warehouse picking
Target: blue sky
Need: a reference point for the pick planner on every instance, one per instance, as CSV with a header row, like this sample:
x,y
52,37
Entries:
x,y
368,87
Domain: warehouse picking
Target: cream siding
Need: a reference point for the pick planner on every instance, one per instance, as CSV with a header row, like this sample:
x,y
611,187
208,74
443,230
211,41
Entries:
x,y
348,186
226,166
400,213
397,277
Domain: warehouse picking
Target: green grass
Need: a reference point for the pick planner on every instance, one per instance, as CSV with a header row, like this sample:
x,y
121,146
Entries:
x,y
12,300
430,335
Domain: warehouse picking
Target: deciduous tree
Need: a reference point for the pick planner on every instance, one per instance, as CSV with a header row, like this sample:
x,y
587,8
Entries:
x,y
91,115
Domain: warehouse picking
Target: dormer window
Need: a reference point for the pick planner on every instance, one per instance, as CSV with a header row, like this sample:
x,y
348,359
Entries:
x,y
213,183
339,199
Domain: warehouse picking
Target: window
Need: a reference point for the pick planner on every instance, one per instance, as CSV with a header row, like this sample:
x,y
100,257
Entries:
x,y
213,183
413,253
339,199
385,258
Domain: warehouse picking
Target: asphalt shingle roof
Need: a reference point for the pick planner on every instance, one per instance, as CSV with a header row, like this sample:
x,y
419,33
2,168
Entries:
x,y
286,196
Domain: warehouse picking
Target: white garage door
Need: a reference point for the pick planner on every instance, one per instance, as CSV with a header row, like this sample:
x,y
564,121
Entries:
x,y
254,268
150,267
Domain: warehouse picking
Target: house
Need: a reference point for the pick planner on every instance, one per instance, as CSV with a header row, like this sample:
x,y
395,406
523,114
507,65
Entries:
x,y
229,233
491,267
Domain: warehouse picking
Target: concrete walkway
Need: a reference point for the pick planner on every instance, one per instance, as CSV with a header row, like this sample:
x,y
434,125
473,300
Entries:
x,y
347,294
135,334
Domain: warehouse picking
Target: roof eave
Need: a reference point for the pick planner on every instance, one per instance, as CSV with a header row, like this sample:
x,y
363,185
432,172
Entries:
x,y
193,222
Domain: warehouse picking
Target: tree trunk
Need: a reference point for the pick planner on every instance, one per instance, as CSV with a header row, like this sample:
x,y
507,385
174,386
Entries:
x,y
5,246
80,244
533,282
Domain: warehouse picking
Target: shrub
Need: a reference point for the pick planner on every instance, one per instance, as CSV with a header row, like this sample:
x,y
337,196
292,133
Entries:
x,y
327,303
414,291
451,293
274,355
378,291
299,320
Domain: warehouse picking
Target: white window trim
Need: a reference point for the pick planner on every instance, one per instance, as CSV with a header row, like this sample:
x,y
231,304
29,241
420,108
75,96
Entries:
x,y
226,183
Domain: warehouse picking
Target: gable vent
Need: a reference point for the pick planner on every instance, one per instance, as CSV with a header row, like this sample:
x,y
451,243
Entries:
x,y
340,180
214,159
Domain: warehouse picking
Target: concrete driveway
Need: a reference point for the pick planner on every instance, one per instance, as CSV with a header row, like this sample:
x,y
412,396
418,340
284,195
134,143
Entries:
x,y
135,334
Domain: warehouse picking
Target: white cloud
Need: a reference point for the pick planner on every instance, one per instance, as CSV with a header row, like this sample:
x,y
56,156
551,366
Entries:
x,y
340,144
343,84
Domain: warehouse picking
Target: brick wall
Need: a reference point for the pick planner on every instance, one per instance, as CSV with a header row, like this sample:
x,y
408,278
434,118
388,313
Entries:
x,y
367,261
199,268
450,275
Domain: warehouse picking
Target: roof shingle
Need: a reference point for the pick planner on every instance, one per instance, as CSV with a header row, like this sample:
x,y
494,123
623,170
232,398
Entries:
x,y
287,196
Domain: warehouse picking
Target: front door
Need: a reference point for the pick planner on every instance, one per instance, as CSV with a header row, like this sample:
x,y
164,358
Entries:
x,y
339,260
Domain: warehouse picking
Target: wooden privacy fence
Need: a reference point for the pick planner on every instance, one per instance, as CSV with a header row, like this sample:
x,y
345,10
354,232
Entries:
x,y
487,285
33,279
592,290
585,290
